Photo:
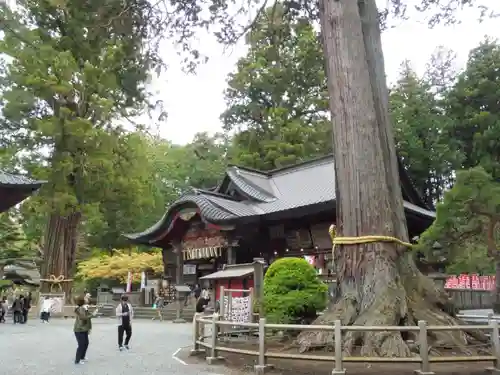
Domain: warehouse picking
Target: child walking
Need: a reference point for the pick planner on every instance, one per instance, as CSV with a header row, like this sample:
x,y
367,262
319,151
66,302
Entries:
x,y
46,307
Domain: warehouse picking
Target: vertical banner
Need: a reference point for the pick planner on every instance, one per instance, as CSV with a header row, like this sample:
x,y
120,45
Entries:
x,y
129,282
143,280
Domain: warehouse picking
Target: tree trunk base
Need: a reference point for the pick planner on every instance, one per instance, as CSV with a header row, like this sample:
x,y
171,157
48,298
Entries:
x,y
396,306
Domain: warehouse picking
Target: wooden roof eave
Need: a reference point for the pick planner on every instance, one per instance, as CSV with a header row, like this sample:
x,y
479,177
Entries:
x,y
208,212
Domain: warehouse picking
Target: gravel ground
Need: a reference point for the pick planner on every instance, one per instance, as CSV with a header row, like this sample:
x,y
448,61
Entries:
x,y
43,349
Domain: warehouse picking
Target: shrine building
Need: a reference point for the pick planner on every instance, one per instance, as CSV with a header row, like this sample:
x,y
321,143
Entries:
x,y
256,214
15,188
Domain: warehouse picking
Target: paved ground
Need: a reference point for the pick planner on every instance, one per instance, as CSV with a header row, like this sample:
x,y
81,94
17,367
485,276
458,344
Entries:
x,y
43,349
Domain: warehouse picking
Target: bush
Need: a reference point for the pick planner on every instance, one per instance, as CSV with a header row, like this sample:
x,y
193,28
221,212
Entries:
x,y
293,292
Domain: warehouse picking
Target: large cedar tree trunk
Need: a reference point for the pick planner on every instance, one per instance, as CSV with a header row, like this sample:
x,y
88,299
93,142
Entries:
x,y
379,282
59,250
494,253
496,292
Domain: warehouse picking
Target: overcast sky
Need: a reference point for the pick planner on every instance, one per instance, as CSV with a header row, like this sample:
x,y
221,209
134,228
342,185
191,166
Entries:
x,y
195,102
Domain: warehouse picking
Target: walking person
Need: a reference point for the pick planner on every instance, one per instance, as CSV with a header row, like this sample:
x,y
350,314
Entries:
x,y
46,308
26,307
17,309
125,314
3,309
159,305
203,301
82,327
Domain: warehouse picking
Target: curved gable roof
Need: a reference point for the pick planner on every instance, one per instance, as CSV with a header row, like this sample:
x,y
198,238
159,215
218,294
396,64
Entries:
x,y
15,188
308,184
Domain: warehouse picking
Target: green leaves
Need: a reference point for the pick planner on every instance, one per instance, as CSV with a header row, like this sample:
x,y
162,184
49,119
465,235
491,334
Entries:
x,y
465,217
13,241
473,106
419,122
292,291
276,100
72,71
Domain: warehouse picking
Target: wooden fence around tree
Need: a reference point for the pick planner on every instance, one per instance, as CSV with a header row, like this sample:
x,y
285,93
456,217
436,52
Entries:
x,y
212,345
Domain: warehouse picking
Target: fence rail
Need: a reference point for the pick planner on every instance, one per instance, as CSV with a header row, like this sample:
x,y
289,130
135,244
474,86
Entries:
x,y
213,346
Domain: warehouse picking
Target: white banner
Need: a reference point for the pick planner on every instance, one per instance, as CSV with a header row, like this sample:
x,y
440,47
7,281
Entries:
x,y
143,280
128,289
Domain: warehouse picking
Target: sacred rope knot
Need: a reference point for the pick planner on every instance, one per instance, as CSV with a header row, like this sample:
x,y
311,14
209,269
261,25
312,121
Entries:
x,y
56,281
333,231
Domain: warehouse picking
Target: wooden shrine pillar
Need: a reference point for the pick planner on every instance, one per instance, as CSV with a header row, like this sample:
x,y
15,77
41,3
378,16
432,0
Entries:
x,y
231,258
179,281
258,282
179,262
231,248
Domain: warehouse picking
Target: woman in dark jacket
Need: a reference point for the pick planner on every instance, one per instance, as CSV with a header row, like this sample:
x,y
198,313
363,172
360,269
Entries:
x,y
82,327
17,309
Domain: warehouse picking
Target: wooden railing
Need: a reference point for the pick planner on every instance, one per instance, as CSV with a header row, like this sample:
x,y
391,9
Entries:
x,y
213,346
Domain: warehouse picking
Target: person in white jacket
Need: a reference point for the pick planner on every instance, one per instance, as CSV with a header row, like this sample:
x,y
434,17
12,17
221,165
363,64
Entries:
x,y
46,308
124,314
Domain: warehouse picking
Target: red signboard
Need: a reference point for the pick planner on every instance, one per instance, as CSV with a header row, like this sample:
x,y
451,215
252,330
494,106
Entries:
x,y
470,282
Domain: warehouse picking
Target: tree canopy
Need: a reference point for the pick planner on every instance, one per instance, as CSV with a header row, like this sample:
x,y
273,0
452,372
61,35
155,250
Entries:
x,y
472,104
119,264
276,99
468,217
14,244
419,124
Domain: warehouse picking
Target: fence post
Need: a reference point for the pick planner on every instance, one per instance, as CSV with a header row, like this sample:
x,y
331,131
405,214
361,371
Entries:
x,y
339,368
425,368
213,341
222,311
260,368
197,328
495,343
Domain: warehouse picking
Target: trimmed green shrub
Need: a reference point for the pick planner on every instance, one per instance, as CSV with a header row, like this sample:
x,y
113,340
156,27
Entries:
x,y
293,293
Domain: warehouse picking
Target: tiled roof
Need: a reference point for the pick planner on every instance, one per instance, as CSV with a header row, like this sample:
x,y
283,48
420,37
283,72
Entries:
x,y
15,188
17,180
212,208
302,185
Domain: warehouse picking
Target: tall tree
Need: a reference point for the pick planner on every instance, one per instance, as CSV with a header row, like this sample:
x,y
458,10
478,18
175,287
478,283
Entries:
x,y
13,242
276,99
199,164
419,121
379,281
62,91
473,106
469,217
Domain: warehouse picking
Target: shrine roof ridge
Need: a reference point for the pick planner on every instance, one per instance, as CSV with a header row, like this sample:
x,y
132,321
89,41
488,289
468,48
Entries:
x,y
14,180
16,188
247,195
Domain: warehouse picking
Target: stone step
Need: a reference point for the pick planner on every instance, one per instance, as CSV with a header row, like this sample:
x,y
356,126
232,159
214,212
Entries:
x,y
168,313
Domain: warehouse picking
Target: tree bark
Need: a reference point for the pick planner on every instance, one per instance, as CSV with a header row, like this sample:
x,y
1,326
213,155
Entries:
x,y
494,253
496,293
379,282
59,251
